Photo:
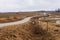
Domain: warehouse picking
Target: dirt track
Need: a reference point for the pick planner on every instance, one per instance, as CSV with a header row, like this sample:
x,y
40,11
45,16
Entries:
x,y
17,22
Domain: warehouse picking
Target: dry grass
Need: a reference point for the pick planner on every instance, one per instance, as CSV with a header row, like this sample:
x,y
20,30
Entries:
x,y
26,31
33,30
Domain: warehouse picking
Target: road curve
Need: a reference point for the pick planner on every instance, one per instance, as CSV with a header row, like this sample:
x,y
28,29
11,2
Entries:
x,y
15,23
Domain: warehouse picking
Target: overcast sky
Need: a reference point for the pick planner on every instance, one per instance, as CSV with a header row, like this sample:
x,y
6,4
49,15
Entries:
x,y
28,5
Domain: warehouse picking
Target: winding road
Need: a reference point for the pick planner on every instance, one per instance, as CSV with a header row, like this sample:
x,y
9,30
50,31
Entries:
x,y
15,23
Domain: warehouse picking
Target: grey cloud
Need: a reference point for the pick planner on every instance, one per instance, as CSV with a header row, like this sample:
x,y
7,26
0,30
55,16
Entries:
x,y
26,5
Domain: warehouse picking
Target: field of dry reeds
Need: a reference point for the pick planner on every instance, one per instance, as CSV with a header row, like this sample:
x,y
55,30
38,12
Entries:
x,y
31,30
34,29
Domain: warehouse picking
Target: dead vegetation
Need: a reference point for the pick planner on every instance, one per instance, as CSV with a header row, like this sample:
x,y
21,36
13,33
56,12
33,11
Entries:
x,y
31,30
34,29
